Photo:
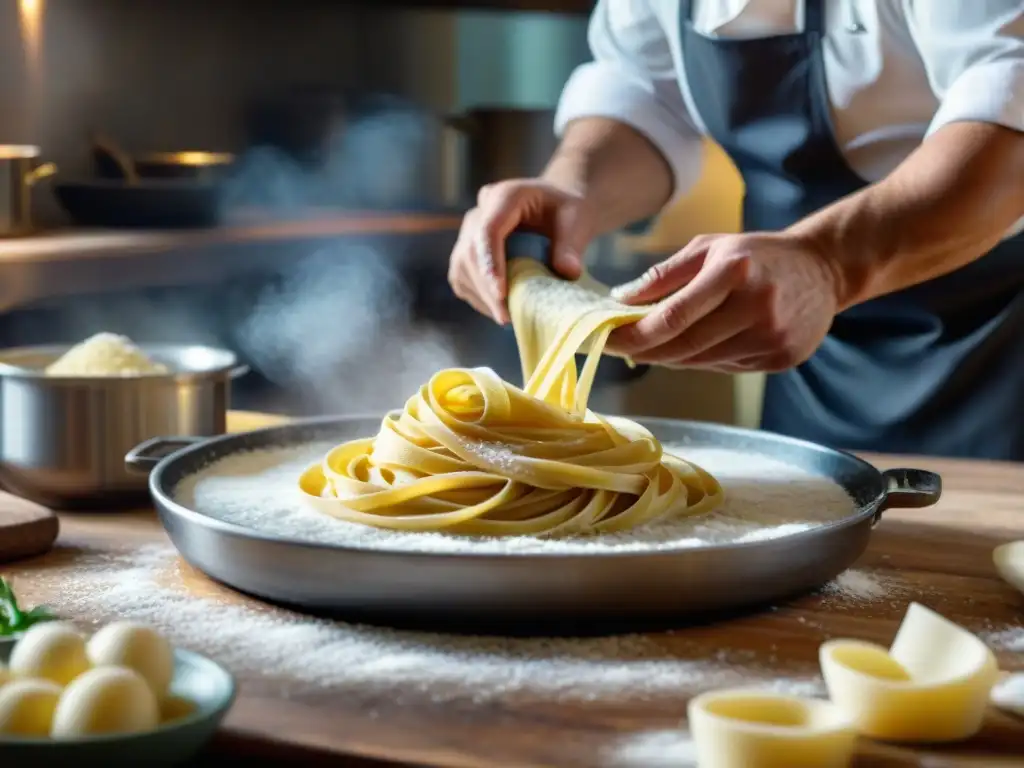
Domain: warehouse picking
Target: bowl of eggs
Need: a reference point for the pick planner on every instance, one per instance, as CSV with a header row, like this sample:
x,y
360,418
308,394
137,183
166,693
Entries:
x,y
123,696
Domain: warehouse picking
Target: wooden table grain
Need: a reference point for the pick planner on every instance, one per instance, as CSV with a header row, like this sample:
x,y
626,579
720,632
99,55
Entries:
x,y
941,556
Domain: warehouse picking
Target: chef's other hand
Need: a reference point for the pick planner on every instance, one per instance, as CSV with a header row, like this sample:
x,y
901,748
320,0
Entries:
x,y
732,303
476,271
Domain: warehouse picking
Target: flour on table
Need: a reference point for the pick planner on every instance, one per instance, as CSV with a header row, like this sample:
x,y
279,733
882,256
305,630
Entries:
x,y
304,654
858,586
1010,639
764,499
672,748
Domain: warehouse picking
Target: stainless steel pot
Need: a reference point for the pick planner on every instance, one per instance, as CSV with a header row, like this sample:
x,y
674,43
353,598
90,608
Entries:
x,y
63,439
19,171
503,143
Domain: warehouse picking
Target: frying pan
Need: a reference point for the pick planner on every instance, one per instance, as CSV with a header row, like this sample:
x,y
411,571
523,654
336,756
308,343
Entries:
x,y
381,584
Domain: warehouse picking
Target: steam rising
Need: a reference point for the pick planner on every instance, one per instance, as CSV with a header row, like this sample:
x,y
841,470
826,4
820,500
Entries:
x,y
339,328
335,327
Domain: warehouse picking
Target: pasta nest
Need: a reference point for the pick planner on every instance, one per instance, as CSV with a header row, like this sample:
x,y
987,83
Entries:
x,y
472,454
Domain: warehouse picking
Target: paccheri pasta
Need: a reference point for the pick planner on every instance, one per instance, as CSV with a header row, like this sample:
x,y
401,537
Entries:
x,y
932,685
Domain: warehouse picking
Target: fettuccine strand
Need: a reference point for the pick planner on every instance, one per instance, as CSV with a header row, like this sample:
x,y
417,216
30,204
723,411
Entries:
x,y
472,454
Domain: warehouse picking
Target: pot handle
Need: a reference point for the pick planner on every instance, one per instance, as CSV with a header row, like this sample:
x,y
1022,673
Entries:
x,y
146,455
909,489
39,173
239,370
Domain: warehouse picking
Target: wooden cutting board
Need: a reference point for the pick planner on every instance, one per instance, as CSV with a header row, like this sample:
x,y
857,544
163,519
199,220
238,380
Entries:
x,y
27,529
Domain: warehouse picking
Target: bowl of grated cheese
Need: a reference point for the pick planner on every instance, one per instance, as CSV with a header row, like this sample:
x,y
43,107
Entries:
x,y
70,413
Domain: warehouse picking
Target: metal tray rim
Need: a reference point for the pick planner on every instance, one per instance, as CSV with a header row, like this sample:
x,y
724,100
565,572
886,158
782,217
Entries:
x,y
166,505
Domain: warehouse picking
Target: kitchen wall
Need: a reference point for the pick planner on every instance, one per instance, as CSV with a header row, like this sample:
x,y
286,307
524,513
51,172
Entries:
x,y
176,75
522,59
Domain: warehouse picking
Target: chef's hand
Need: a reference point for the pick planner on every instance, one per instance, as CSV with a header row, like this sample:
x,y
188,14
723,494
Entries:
x,y
735,303
476,271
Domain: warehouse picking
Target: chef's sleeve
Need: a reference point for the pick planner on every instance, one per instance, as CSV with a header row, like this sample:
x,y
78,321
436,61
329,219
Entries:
x,y
973,52
633,79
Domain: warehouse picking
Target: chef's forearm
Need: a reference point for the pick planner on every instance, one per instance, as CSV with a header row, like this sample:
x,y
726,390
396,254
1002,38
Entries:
x,y
621,175
946,205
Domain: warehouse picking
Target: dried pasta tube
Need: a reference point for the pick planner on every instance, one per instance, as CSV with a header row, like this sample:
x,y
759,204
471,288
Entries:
x,y
740,728
932,685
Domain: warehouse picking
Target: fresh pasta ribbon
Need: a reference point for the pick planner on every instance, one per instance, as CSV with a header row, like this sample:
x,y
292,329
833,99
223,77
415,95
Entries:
x,y
737,728
932,685
472,454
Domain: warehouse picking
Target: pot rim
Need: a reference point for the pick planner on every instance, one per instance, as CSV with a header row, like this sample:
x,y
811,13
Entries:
x,y
226,365
188,158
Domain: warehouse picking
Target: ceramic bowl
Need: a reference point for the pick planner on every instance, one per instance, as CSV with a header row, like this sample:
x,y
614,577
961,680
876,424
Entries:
x,y
208,686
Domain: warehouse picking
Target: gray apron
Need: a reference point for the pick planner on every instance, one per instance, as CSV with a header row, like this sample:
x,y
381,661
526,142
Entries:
x,y
935,369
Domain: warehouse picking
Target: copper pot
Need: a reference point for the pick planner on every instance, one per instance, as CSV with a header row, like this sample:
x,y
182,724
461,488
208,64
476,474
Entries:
x,y
20,169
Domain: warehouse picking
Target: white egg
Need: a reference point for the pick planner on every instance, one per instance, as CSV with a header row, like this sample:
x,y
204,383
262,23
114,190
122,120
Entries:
x,y
53,651
138,647
27,706
105,700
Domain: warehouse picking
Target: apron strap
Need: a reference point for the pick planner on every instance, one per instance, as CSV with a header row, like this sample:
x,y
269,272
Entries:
x,y
814,17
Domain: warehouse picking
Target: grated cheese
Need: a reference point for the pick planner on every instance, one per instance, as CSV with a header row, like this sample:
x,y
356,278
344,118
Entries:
x,y
104,354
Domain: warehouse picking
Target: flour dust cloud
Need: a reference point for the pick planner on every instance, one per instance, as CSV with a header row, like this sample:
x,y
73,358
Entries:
x,y
339,327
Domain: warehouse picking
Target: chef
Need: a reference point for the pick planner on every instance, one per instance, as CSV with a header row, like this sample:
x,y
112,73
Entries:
x,y
879,279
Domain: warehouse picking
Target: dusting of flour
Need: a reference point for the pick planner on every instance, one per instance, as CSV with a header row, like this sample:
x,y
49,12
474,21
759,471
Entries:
x,y
764,499
299,654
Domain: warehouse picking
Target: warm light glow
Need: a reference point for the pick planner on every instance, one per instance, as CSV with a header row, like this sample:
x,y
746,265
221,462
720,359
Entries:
x,y
30,14
190,158
18,152
30,17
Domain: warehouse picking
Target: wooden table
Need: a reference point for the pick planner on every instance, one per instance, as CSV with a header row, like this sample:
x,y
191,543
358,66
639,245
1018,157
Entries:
x,y
941,556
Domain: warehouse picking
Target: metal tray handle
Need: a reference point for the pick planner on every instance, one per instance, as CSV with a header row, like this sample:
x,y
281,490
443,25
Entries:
x,y
909,489
146,455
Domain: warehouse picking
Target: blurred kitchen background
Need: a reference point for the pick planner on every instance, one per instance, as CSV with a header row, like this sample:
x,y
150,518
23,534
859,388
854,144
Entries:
x,y
286,179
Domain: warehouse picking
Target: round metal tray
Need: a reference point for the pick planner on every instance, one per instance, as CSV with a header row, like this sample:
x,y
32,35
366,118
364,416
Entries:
x,y
374,584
